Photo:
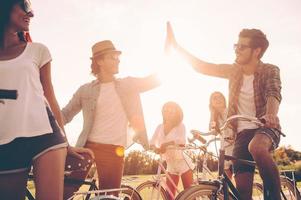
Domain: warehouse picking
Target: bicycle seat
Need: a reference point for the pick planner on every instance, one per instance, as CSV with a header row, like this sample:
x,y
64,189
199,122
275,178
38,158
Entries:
x,y
76,164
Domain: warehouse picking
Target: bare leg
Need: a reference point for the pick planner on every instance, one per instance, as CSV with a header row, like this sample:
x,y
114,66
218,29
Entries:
x,y
13,186
48,172
187,179
175,179
244,184
259,148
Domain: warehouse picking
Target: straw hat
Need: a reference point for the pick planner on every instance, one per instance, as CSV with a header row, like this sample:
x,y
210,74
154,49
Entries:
x,y
103,47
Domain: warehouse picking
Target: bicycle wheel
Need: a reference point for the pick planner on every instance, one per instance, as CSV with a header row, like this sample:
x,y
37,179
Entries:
x,y
130,193
201,192
150,190
257,193
288,190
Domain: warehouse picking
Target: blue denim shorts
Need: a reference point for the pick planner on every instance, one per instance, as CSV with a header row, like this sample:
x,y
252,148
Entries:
x,y
18,155
242,141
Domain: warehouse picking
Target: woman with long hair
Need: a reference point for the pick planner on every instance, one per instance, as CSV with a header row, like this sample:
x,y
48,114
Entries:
x,y
218,115
172,132
31,132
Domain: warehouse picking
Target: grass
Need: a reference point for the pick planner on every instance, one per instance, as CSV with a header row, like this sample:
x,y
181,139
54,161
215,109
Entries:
x,y
135,180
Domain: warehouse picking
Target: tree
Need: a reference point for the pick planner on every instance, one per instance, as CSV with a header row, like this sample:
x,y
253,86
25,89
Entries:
x,y
287,157
137,162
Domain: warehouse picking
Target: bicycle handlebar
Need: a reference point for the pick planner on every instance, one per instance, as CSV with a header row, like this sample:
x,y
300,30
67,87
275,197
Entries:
x,y
255,120
197,135
176,147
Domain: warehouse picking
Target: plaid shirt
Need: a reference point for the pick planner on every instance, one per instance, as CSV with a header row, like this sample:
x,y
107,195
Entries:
x,y
266,84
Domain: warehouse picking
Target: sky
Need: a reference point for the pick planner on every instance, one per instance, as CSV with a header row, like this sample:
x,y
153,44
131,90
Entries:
x,y
207,28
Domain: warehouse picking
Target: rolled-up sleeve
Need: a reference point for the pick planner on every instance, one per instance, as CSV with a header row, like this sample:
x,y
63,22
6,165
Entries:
x,y
73,107
273,83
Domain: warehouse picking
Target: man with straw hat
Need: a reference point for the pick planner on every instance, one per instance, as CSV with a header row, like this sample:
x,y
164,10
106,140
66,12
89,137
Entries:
x,y
110,106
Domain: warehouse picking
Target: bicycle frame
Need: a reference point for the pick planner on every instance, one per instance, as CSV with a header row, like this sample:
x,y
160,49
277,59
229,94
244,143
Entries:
x,y
291,178
103,195
159,180
159,183
91,184
226,182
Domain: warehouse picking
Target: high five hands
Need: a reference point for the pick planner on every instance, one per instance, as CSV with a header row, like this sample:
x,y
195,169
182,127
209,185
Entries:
x,y
170,41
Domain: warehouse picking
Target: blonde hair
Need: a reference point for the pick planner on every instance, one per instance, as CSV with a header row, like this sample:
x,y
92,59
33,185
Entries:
x,y
178,117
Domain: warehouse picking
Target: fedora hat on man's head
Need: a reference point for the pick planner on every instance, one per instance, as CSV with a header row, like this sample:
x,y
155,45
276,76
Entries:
x,y
103,47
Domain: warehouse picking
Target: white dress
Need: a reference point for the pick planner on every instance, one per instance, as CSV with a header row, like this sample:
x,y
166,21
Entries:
x,y
177,161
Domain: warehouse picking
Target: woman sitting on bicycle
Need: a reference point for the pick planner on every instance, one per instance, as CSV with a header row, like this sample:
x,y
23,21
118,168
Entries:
x,y
172,132
218,111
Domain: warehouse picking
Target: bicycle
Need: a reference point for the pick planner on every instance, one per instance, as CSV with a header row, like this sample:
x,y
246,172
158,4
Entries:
x,y
126,192
222,187
157,188
289,180
205,171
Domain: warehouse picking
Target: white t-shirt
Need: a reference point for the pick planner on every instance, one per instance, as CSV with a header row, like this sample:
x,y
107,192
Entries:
x,y
177,135
26,116
246,103
110,125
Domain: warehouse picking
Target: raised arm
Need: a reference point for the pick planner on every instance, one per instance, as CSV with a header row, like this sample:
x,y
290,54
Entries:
x,y
145,84
206,68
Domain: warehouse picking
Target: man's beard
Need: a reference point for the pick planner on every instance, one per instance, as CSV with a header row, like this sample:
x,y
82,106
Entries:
x,y
244,61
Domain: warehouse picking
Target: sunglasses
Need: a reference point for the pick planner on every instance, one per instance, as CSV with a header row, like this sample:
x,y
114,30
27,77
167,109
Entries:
x,y
217,97
26,6
169,110
241,47
113,56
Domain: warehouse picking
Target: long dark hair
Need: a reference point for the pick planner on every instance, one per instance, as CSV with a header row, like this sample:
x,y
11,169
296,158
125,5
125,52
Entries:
x,y
5,11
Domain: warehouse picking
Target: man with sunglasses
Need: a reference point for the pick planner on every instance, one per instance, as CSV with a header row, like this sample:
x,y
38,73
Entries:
x,y
255,90
110,106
